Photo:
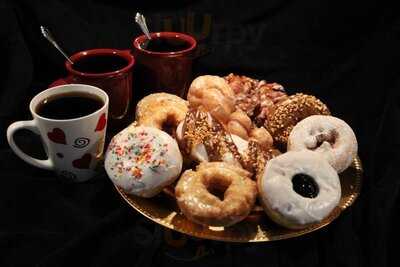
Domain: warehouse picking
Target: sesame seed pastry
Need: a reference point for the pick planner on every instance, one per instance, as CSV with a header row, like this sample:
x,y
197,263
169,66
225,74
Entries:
x,y
289,112
204,139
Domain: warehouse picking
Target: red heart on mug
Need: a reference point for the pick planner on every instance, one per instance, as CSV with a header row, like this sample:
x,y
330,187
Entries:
x,y
57,136
83,162
101,123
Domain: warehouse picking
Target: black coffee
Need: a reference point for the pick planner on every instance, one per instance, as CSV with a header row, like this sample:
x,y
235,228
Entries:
x,y
69,106
167,45
100,64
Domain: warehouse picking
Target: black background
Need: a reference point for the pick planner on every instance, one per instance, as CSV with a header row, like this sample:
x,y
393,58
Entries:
x,y
345,53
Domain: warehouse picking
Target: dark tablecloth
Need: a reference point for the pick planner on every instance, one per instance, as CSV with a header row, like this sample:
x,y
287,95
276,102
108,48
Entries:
x,y
344,53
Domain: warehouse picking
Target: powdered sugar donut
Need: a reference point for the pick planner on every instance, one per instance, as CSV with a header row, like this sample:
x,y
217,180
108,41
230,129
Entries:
x,y
143,160
329,136
298,188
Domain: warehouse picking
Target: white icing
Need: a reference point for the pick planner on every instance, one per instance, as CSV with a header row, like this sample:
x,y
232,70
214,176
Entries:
x,y
276,187
340,155
240,143
199,153
142,160
179,132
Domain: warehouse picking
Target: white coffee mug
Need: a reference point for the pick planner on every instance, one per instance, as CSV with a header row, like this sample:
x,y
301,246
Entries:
x,y
73,146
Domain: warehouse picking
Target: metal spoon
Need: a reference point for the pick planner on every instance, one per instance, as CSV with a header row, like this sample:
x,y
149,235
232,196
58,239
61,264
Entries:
x,y
46,33
141,21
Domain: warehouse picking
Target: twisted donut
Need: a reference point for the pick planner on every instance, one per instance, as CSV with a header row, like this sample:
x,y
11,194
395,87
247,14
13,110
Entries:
x,y
214,95
197,194
263,137
241,125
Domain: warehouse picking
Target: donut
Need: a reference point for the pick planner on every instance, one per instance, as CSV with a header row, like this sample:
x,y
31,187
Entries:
x,y
213,94
241,125
253,154
143,160
298,188
289,112
263,137
255,97
204,139
216,194
161,110
199,152
329,136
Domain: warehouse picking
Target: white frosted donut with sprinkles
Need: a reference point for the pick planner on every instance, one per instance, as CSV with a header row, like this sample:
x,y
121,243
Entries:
x,y
143,160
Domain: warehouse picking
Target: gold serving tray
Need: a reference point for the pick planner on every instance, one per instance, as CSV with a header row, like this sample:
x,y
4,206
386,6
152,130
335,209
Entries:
x,y
164,211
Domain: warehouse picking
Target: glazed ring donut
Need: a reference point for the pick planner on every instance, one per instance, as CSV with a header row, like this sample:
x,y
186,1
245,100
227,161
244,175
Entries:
x,y
289,112
298,188
161,110
214,94
143,160
329,136
199,205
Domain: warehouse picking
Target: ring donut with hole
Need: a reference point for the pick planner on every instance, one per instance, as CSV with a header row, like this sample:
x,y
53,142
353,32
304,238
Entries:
x,y
327,135
216,194
298,188
162,111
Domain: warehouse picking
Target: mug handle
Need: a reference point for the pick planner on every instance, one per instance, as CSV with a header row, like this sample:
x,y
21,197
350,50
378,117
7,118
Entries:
x,y
31,126
62,81
126,51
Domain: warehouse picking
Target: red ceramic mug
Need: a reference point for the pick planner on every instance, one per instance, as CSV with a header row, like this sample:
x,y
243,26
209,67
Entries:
x,y
166,71
110,70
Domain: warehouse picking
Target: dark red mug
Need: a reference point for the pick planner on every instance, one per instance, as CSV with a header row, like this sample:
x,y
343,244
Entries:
x,y
163,71
117,82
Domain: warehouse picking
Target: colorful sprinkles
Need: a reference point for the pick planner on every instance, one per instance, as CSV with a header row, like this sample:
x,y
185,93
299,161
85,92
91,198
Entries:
x,y
138,150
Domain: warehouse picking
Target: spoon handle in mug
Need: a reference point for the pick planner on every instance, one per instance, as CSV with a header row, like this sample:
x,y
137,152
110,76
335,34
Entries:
x,y
46,33
141,21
